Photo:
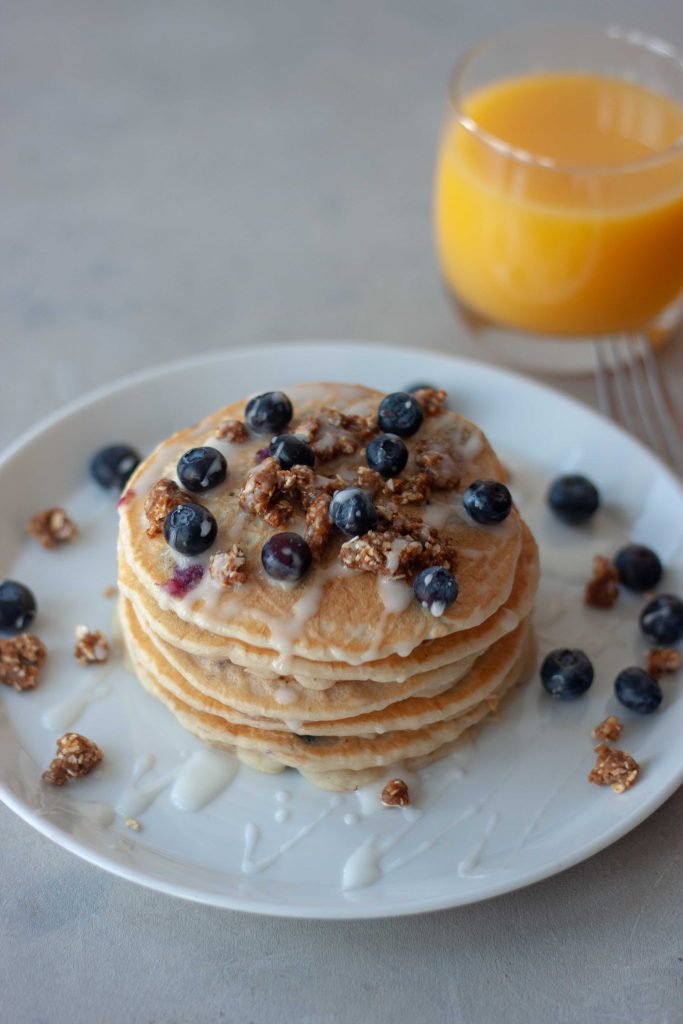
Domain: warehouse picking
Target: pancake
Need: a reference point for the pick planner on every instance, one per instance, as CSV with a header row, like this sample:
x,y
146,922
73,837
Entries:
x,y
344,673
304,620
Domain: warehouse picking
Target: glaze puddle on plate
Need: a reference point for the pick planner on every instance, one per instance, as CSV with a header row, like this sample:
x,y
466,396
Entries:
x,y
511,808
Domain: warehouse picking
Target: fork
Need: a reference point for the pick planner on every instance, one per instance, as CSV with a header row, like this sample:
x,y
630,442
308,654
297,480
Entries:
x,y
632,392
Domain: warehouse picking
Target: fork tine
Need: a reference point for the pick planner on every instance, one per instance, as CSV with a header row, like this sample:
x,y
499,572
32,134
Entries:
x,y
670,428
621,376
641,390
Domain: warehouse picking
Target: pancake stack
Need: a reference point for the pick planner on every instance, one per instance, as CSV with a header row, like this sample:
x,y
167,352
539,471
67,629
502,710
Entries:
x,y
343,674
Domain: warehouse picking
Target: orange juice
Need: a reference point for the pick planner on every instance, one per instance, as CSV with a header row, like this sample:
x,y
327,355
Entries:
x,y
584,238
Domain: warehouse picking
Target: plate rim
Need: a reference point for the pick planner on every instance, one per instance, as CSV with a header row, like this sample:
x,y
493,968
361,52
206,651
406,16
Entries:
x,y
353,911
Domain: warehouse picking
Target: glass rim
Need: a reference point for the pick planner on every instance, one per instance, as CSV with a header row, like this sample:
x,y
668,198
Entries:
x,y
655,46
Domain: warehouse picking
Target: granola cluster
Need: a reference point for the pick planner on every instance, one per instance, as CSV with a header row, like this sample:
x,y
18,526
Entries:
x,y
52,527
602,589
333,433
395,794
21,658
162,499
432,400
610,729
232,431
76,756
273,493
399,547
318,525
663,659
614,768
91,647
228,567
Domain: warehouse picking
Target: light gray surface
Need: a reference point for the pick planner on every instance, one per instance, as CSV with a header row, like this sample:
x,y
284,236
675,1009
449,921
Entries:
x,y
183,176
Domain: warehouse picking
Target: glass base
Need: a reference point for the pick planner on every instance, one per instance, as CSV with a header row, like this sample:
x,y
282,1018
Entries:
x,y
544,354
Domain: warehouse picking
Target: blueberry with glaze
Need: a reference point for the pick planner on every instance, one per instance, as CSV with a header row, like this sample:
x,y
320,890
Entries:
x,y
17,606
190,529
487,501
353,512
436,589
566,673
112,466
400,413
268,413
573,498
201,469
387,454
290,450
639,567
286,556
661,620
638,691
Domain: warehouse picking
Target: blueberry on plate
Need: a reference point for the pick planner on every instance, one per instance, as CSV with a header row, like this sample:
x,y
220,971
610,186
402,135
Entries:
x,y
200,469
387,454
353,512
661,620
436,589
638,691
566,673
639,567
420,386
290,450
111,466
400,413
573,498
190,529
17,606
286,556
268,413
487,501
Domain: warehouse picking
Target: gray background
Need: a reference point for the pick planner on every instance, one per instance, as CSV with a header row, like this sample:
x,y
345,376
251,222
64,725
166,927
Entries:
x,y
184,176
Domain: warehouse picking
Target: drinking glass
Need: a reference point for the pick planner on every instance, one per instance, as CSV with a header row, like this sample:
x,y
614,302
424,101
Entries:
x,y
558,197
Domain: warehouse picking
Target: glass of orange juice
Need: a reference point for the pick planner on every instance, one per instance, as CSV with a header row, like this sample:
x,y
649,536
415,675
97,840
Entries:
x,y
558,199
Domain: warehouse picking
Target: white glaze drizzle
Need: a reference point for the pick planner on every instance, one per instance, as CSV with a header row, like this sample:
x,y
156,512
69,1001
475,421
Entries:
x,y
471,860
252,834
61,716
204,775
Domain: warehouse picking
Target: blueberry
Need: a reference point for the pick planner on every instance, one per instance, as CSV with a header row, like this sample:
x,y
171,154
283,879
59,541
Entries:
x,y
435,588
573,498
17,606
387,454
638,691
639,567
111,466
566,674
662,619
290,450
400,414
420,386
200,469
190,529
353,511
487,501
268,413
286,556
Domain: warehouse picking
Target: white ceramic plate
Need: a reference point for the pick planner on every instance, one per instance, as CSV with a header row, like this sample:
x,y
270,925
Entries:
x,y
510,809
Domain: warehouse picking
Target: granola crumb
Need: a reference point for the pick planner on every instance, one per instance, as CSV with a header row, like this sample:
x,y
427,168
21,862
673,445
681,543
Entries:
x,y
663,659
21,658
91,647
395,794
432,400
610,729
133,824
399,547
52,527
110,591
602,589
76,756
227,567
162,499
614,768
318,525
232,431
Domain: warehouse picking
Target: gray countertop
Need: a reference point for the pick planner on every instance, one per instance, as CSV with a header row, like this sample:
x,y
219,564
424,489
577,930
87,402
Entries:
x,y
181,177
